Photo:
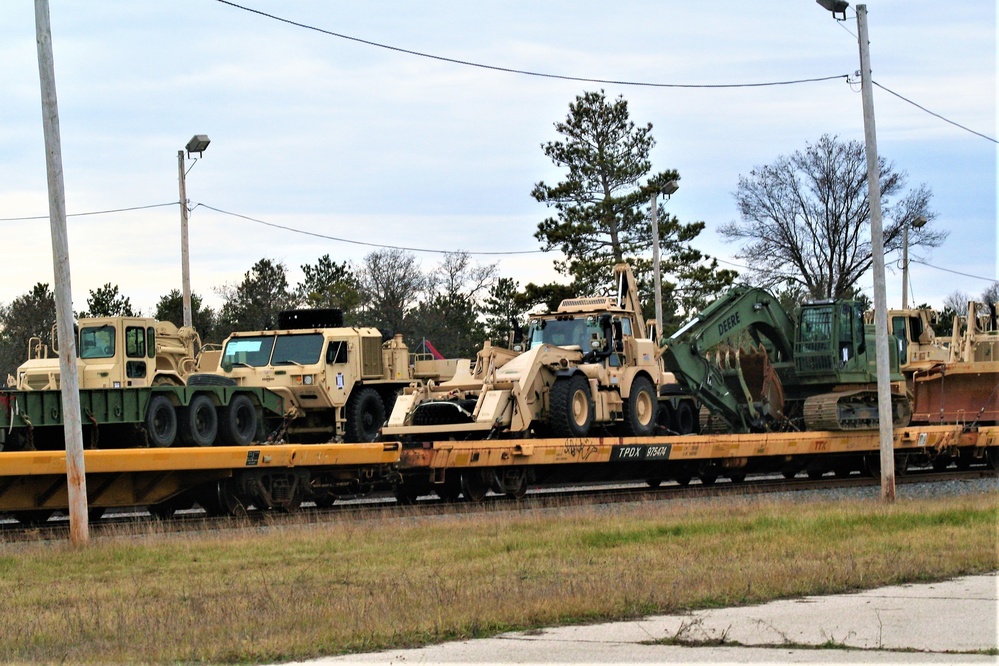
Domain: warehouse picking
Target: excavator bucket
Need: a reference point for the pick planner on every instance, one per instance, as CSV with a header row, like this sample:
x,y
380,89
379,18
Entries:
x,y
762,380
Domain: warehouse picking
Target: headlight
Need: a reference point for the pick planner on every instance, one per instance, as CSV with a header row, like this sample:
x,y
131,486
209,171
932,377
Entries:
x,y
308,380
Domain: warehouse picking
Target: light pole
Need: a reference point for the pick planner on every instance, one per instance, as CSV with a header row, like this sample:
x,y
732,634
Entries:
x,y
668,189
197,144
917,223
886,432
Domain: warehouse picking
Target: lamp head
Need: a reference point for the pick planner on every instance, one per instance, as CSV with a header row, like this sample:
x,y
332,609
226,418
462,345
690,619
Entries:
x,y
919,222
836,7
197,144
670,187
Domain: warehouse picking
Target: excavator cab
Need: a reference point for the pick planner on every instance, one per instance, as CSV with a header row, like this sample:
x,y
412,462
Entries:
x,y
831,344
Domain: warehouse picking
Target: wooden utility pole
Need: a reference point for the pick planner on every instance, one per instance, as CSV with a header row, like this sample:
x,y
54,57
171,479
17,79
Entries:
x,y
76,480
185,256
885,412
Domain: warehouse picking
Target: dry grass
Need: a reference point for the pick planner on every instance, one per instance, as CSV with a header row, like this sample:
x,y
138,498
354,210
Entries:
x,y
312,590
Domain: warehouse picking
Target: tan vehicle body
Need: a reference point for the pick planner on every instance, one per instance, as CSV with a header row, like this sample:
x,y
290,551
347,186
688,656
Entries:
x,y
116,352
950,380
587,363
337,383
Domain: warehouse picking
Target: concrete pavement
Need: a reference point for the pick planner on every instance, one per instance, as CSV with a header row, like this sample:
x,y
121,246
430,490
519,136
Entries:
x,y
949,623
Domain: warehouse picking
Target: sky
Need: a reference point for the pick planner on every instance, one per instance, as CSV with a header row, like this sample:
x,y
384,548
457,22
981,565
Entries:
x,y
335,137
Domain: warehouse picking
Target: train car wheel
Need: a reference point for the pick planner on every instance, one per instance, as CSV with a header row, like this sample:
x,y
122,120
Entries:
x,y
473,486
519,488
570,407
654,483
161,421
199,423
683,479
708,479
640,408
34,517
238,421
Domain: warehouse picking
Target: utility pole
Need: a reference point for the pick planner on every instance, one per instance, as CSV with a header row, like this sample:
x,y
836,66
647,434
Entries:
x,y
76,480
655,264
185,259
885,412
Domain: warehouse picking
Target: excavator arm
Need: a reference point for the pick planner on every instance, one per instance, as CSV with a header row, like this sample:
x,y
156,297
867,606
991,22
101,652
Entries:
x,y
741,310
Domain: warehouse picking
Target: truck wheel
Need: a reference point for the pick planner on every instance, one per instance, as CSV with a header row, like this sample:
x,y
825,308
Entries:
x,y
365,416
640,408
199,423
161,421
238,421
686,421
570,412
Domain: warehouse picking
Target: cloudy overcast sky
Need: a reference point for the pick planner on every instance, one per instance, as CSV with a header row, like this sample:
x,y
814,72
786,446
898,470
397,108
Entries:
x,y
345,139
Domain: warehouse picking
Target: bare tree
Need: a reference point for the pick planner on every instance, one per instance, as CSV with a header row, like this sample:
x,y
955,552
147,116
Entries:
x,y
449,314
391,282
806,217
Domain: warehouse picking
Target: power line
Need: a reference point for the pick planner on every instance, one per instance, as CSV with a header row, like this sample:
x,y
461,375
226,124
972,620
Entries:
x,y
524,72
947,270
95,212
583,79
923,108
356,242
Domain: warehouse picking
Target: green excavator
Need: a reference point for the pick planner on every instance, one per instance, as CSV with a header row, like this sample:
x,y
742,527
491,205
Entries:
x,y
755,369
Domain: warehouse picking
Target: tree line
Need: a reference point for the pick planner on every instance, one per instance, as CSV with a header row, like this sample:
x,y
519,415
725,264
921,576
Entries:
x,y
804,231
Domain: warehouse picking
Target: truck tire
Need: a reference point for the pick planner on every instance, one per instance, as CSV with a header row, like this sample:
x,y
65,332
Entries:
x,y
238,421
640,408
199,422
161,422
365,413
208,379
686,419
570,408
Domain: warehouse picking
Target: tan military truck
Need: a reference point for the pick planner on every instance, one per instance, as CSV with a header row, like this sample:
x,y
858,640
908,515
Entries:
x,y
338,383
115,352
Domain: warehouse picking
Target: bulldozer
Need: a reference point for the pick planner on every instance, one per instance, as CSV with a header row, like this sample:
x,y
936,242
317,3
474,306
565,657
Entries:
x,y
756,369
589,364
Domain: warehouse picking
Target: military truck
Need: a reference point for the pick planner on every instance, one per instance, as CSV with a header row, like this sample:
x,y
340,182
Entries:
x,y
586,365
115,352
338,383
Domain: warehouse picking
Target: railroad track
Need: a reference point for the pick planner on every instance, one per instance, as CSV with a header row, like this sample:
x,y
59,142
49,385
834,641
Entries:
x,y
125,524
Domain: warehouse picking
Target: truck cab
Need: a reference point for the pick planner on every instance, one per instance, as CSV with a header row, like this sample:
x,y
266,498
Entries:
x,y
116,352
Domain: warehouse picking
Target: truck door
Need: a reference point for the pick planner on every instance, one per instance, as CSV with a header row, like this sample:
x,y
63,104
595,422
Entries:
x,y
136,372
339,377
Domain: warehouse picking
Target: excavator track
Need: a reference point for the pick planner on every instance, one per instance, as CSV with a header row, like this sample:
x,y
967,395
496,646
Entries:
x,y
852,410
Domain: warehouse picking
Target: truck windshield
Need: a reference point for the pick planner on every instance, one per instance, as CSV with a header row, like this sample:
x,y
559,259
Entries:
x,y
562,333
252,350
97,342
303,349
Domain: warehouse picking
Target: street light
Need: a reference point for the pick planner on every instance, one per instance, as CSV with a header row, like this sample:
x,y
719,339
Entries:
x,y
668,189
886,433
917,223
197,144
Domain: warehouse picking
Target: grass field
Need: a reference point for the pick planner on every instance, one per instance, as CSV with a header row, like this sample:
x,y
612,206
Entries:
x,y
273,593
